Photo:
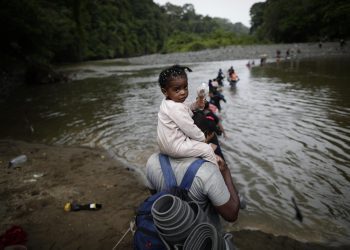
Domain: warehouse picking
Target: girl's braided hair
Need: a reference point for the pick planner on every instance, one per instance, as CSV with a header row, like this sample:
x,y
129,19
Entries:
x,y
172,72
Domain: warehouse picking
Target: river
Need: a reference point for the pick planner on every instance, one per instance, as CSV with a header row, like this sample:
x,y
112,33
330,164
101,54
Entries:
x,y
288,126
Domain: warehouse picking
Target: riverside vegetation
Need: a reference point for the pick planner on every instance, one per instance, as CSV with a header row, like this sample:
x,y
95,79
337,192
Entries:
x,y
40,33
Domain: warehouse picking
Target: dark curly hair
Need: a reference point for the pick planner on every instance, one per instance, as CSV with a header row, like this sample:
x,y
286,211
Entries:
x,y
204,123
170,73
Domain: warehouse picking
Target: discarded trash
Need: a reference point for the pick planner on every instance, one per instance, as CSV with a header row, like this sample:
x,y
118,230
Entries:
x,y
77,207
18,160
38,175
13,236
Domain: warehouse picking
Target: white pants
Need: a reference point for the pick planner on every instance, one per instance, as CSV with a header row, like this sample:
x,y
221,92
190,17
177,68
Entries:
x,y
191,148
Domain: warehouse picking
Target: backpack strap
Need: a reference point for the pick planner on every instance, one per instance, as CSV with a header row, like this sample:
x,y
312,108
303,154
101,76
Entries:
x,y
169,177
191,173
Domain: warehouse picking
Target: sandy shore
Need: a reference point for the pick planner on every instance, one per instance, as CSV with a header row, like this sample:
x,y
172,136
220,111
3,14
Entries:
x,y
33,195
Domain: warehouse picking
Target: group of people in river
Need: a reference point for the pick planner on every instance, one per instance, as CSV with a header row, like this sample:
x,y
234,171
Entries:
x,y
232,78
291,53
189,130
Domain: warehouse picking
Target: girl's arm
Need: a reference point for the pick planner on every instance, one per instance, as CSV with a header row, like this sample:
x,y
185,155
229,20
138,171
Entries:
x,y
181,116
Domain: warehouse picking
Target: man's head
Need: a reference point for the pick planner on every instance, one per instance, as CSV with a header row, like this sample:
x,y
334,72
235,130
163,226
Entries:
x,y
205,124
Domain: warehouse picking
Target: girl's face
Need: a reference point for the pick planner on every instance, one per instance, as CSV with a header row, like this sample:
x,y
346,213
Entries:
x,y
176,89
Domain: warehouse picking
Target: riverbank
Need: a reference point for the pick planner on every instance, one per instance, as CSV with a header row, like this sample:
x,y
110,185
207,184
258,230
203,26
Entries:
x,y
247,52
9,82
33,197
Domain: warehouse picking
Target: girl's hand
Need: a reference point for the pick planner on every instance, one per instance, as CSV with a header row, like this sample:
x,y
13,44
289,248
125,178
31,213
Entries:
x,y
213,146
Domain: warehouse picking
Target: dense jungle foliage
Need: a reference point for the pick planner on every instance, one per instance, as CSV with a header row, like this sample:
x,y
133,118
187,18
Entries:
x,y
46,31
283,21
55,31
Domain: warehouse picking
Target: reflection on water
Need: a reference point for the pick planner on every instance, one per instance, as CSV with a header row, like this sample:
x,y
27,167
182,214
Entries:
x,y
288,128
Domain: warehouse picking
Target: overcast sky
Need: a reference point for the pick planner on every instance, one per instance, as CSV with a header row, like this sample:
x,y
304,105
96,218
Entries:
x,y
234,10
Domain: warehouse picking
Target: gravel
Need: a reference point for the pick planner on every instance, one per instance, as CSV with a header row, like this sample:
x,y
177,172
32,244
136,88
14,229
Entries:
x,y
247,52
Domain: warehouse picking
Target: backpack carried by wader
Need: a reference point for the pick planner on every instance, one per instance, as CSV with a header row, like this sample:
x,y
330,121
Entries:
x,y
146,235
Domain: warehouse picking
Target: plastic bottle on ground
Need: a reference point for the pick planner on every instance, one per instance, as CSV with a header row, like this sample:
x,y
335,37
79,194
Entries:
x,y
18,160
77,207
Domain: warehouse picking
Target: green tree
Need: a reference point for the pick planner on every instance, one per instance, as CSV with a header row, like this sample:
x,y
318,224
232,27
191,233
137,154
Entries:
x,y
300,20
257,16
46,31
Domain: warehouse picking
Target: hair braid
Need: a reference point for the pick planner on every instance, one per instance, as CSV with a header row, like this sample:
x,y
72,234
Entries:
x,y
172,72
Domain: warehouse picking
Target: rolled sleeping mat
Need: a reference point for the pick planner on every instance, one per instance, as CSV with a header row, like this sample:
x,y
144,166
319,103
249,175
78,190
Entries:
x,y
168,211
228,237
205,237
175,218
228,241
180,225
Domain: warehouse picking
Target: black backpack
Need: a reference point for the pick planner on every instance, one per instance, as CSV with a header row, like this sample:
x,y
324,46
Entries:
x,y
146,235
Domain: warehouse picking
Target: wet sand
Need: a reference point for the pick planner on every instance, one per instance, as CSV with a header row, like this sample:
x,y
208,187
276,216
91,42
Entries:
x,y
33,196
